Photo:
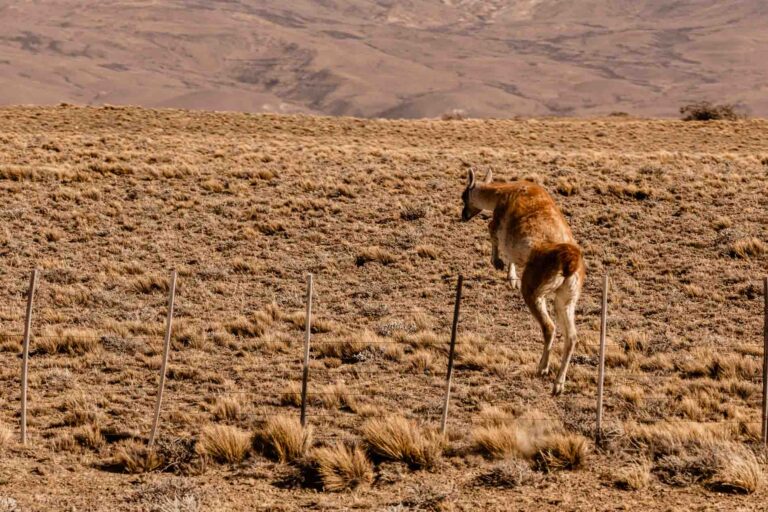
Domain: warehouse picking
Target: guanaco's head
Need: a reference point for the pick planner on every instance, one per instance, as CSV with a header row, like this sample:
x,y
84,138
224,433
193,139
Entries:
x,y
470,207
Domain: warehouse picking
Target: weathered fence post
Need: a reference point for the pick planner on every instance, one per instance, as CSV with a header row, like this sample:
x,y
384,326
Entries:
x,y
25,355
601,363
451,351
765,360
164,365
305,371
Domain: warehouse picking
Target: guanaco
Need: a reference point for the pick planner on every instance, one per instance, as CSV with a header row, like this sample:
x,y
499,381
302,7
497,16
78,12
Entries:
x,y
528,231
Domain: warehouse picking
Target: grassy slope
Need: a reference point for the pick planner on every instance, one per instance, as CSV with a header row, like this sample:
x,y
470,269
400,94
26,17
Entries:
x,y
106,200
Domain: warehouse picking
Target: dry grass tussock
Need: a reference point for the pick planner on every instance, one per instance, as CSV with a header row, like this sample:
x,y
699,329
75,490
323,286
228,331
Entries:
x,y
341,467
67,341
135,457
399,439
634,476
224,443
282,438
535,438
687,453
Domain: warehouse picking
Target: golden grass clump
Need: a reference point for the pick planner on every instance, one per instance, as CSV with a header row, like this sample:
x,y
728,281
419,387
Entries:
x,y
89,436
334,396
341,467
67,341
396,438
375,254
738,471
291,394
559,452
5,437
634,476
135,457
227,409
750,247
283,439
224,443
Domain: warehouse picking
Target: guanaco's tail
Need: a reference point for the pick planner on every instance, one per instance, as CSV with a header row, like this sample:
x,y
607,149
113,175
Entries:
x,y
548,264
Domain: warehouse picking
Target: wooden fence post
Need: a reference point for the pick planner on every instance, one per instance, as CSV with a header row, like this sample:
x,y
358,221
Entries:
x,y
305,371
765,360
164,365
452,350
25,355
601,363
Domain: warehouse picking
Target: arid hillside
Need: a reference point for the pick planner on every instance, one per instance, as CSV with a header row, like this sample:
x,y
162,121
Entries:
x,y
106,201
375,58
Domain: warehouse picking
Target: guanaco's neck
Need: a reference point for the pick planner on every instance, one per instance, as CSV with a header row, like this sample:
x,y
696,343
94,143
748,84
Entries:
x,y
485,196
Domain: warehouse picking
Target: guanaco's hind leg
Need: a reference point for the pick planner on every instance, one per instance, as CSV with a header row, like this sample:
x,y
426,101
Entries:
x,y
565,311
538,308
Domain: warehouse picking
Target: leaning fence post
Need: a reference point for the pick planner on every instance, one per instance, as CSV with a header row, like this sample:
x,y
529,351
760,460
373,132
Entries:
x,y
765,360
305,371
163,366
601,363
25,355
451,351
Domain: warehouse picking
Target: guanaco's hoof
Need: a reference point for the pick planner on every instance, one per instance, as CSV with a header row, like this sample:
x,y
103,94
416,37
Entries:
x,y
515,284
498,264
557,389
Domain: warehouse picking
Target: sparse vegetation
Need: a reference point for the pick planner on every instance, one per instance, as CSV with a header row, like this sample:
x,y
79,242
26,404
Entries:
x,y
707,111
673,219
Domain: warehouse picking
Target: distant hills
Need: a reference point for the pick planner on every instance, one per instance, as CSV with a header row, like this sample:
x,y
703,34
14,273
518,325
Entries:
x,y
388,58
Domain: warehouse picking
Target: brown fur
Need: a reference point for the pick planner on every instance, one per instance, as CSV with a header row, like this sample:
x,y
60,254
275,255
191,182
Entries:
x,y
530,231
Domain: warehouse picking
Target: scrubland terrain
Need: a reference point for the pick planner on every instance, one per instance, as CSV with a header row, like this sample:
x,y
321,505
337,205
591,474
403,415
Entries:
x,y
105,201
384,58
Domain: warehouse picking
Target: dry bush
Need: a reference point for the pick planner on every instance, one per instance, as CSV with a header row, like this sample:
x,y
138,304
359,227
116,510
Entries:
x,y
6,435
334,396
246,328
723,467
421,361
67,341
508,474
224,443
708,111
283,439
738,471
79,410
633,477
745,248
671,437
291,394
341,467
135,457
561,452
227,409
535,438
456,114
176,495
413,212
89,436
374,254
353,348
396,438
150,284
428,251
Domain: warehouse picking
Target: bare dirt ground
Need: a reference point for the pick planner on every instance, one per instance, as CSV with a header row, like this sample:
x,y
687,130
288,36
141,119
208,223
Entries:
x,y
374,58
105,201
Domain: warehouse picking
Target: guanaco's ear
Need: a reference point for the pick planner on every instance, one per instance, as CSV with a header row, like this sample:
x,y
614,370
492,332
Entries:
x,y
471,179
488,176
